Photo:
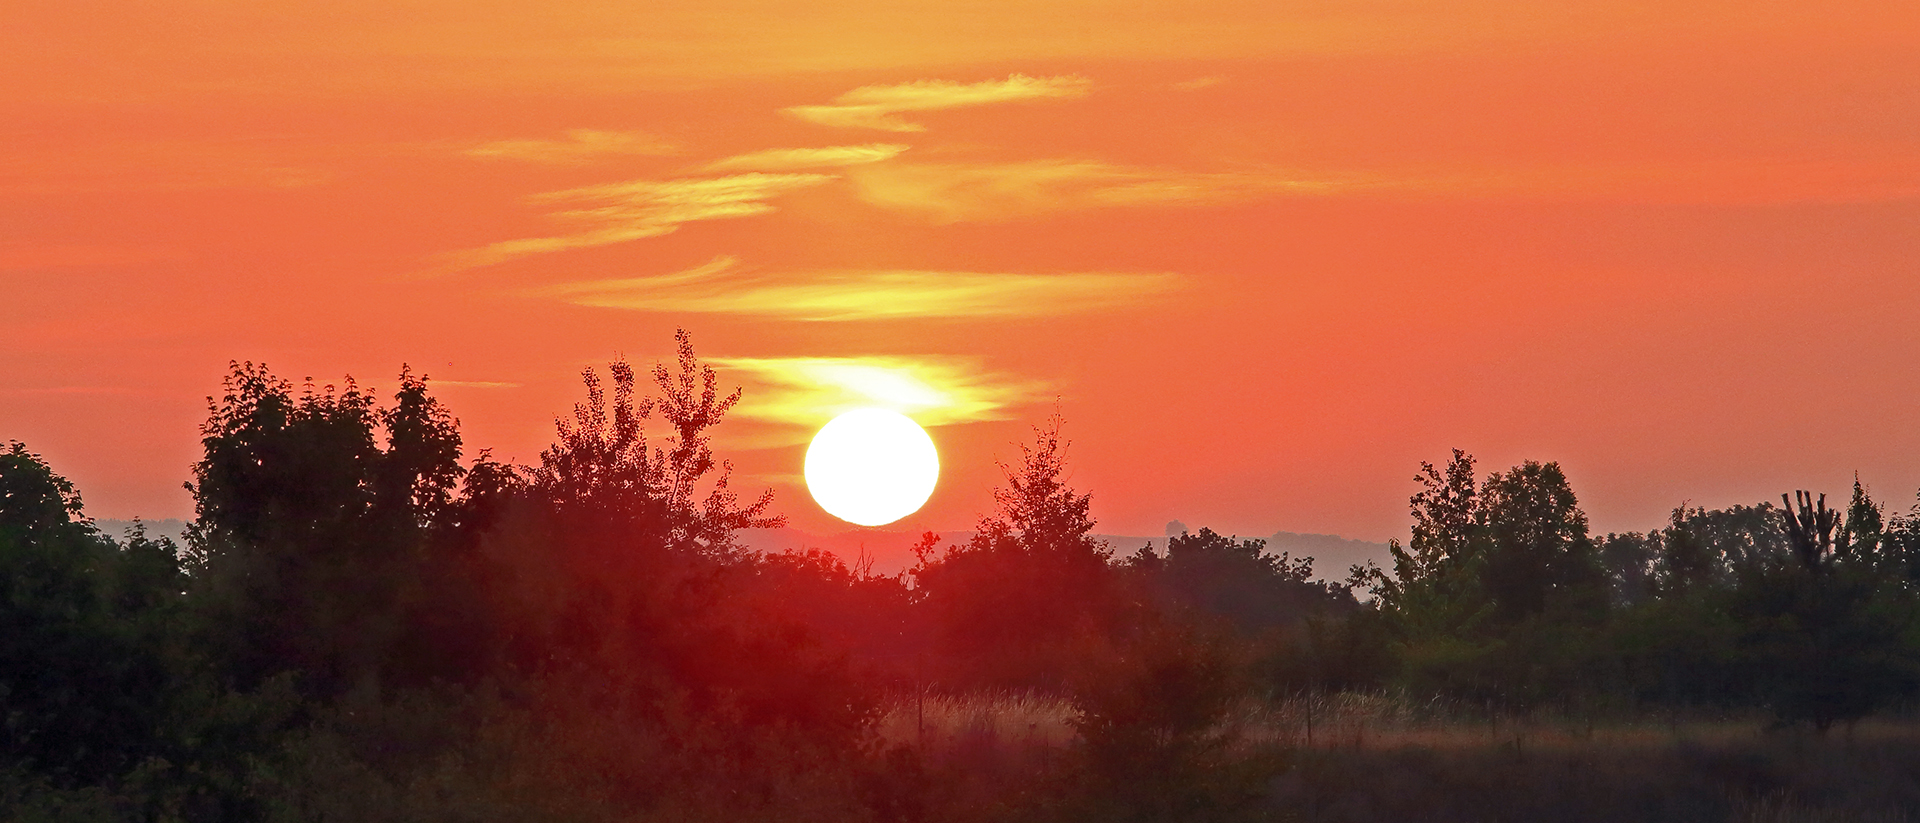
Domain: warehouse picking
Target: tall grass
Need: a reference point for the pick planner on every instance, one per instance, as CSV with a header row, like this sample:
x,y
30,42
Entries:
x,y
1389,720
1011,756
1365,757
993,725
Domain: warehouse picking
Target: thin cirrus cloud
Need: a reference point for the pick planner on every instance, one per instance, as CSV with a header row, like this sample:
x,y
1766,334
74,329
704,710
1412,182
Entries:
x,y
1199,83
956,192
961,192
116,165
934,390
579,147
478,384
720,287
814,158
618,212
879,106
1723,180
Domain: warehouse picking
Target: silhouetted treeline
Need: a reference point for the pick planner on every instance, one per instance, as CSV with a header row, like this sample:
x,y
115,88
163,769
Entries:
x,y
1503,595
367,624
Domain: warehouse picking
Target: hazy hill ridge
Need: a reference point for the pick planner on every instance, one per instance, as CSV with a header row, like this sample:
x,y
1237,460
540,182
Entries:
x,y
171,528
891,551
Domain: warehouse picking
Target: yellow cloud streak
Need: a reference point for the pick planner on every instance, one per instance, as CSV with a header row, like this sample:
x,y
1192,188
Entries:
x,y
875,107
619,212
957,192
816,158
872,295
999,191
934,391
704,271
580,146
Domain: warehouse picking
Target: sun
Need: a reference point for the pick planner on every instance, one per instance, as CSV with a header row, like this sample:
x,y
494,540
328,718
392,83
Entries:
x,y
872,467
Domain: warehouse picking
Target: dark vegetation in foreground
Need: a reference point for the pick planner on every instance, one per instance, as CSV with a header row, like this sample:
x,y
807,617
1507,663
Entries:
x,y
363,627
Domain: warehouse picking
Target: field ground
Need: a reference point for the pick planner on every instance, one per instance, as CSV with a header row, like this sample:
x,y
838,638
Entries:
x,y
1360,757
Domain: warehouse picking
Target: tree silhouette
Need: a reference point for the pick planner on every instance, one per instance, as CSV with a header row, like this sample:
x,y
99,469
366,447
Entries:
x,y
1863,529
597,462
1810,529
1436,585
1034,509
1032,592
1827,629
601,463
1446,511
1237,580
83,638
421,466
35,503
1538,552
310,534
1712,547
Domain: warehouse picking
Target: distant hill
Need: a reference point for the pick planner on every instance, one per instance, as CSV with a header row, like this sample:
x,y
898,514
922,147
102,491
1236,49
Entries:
x,y
169,528
1332,554
891,552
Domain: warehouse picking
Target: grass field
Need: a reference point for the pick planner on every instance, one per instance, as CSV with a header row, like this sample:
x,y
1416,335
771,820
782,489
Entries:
x,y
1371,757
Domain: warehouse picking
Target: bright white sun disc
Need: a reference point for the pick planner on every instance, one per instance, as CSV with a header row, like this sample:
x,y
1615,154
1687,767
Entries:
x,y
872,467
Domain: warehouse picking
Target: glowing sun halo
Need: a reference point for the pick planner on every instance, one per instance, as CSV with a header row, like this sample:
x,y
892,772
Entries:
x,y
871,467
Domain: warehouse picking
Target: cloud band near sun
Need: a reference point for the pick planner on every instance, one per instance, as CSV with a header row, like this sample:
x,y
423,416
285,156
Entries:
x,y
878,107
935,391
824,157
579,147
718,287
998,191
618,212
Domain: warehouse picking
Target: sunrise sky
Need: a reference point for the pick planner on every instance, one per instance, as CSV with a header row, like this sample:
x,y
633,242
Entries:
x,y
1264,257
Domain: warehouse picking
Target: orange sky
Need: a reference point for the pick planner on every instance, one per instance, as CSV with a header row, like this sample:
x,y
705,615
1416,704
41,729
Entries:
x,y
1266,256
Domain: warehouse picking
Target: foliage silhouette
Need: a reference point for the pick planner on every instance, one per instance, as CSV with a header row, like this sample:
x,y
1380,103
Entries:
x,y
1032,595
83,634
1538,554
312,538
602,465
1238,581
363,626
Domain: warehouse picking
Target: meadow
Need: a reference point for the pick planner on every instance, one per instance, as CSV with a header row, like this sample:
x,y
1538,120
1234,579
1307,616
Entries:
x,y
1363,757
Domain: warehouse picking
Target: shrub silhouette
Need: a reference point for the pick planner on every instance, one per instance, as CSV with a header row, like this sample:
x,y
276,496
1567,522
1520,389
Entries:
x,y
85,630
1237,581
365,627
1028,600
1156,743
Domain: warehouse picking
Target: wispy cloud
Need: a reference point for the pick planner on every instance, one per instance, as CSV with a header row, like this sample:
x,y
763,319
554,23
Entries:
x,y
619,212
956,192
1199,83
703,272
477,384
877,107
580,146
935,391
720,287
817,158
1728,180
